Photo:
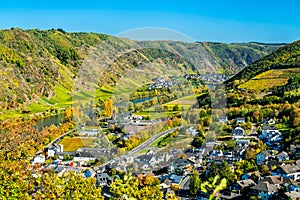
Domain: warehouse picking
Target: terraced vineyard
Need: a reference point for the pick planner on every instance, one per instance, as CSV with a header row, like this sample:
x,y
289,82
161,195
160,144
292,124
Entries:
x,y
270,79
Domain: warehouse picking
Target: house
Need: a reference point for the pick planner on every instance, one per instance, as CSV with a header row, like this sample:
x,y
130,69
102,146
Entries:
x,y
242,184
265,190
282,156
242,144
216,152
151,158
175,179
223,119
289,171
292,195
249,174
275,180
240,120
83,157
170,179
180,165
39,159
58,147
230,195
268,132
103,179
50,152
238,132
262,156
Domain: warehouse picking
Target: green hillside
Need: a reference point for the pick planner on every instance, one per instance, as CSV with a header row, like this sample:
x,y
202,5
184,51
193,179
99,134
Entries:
x,y
38,68
273,70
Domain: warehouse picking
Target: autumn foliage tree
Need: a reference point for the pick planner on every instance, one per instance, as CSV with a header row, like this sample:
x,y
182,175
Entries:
x,y
142,187
18,144
108,108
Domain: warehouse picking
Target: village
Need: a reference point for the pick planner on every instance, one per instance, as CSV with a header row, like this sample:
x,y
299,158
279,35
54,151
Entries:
x,y
173,168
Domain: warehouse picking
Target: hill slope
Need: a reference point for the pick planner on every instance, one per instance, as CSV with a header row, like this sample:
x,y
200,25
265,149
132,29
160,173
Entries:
x,y
281,65
40,66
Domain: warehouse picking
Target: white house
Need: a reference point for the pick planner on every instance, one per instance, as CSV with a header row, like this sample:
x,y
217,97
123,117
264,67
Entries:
x,y
238,132
39,159
269,132
51,152
83,157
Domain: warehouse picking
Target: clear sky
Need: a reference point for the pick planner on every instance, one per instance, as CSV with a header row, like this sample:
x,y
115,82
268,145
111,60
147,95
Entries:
x,y
202,20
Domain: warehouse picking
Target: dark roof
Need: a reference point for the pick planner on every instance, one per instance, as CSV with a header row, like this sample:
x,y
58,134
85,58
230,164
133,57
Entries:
x,y
175,178
288,169
265,187
272,180
256,173
246,183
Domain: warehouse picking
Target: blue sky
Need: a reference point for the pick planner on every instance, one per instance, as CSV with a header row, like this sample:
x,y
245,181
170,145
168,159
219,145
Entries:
x,y
207,20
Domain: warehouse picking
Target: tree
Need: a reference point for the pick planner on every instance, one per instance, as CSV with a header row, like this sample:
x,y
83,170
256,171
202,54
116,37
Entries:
x,y
20,143
213,185
68,114
226,172
69,186
142,187
108,108
198,141
195,183
176,107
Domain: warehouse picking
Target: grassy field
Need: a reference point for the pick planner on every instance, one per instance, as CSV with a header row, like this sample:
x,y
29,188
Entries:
x,y
181,143
185,102
72,144
269,79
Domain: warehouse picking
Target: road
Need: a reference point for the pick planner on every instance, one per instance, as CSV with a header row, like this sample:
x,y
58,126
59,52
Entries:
x,y
148,142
